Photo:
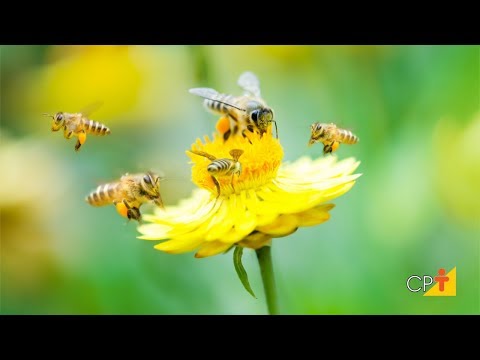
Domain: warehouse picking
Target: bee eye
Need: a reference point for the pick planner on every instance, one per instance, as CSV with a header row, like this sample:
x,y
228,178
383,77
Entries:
x,y
254,116
146,178
59,117
269,116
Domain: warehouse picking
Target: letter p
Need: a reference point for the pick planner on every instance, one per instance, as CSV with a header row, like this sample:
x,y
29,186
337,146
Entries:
x,y
425,283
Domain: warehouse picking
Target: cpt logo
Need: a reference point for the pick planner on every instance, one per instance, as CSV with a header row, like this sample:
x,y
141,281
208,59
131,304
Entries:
x,y
446,285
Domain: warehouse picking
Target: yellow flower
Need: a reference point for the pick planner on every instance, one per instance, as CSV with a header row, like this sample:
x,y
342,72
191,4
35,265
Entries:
x,y
267,200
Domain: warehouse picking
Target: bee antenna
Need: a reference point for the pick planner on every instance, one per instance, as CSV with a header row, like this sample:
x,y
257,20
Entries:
x,y
45,114
225,103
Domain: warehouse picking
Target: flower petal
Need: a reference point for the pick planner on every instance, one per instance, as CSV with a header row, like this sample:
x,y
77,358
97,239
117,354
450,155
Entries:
x,y
314,216
284,224
212,248
267,200
256,240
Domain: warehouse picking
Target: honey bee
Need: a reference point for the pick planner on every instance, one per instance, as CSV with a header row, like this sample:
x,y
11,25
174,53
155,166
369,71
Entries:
x,y
77,124
331,136
247,112
222,167
128,194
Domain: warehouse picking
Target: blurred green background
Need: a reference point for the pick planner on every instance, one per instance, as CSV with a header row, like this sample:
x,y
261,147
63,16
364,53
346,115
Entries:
x,y
415,209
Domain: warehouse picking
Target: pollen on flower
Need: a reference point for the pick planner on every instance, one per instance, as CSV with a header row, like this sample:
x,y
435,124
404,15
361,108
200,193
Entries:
x,y
261,158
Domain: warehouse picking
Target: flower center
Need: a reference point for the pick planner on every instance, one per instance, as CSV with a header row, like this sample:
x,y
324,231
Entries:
x,y
214,162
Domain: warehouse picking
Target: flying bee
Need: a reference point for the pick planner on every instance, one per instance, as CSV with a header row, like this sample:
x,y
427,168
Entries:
x,y
77,124
331,136
128,194
223,167
247,112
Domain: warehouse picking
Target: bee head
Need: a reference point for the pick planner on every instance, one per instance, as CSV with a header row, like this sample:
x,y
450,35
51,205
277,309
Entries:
x,y
317,131
151,187
260,115
58,120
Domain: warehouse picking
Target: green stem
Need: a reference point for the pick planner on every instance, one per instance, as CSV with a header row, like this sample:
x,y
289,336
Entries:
x,y
264,257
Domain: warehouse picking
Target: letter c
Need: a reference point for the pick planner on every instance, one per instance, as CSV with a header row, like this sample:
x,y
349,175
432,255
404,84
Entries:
x,y
408,283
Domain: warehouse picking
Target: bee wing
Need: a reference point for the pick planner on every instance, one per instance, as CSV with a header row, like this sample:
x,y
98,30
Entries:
x,y
206,93
249,82
90,108
236,153
159,174
104,181
209,94
204,154
341,125
72,121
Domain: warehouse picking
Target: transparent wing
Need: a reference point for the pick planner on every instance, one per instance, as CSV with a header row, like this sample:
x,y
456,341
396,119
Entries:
x,y
249,82
90,108
236,153
206,93
72,122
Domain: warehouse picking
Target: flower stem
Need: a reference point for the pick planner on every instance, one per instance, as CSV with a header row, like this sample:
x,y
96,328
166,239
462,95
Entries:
x,y
264,257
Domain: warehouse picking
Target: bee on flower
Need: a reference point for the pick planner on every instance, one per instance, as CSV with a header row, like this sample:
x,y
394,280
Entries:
x,y
269,198
222,167
248,112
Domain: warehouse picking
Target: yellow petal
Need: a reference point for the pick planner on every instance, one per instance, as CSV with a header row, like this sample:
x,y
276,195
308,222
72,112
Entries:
x,y
256,240
153,231
284,224
223,222
314,216
212,248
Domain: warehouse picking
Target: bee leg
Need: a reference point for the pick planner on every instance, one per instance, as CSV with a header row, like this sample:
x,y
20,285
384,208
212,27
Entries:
x,y
67,133
127,205
132,212
245,135
327,149
232,183
217,185
226,135
82,137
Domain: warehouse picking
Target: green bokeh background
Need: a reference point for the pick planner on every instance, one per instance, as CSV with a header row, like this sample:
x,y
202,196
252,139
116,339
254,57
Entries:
x,y
414,209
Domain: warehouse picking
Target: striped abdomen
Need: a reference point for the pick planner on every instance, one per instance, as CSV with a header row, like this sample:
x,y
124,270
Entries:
x,y
218,103
103,194
221,167
346,136
95,127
